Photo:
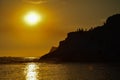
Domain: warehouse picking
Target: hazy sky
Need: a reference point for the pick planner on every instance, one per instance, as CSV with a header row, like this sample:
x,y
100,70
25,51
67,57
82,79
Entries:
x,y
59,18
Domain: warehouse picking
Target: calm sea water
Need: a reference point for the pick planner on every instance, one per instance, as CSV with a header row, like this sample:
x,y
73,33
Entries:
x,y
70,71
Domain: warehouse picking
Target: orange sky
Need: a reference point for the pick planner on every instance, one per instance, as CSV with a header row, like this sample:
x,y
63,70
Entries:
x,y
59,18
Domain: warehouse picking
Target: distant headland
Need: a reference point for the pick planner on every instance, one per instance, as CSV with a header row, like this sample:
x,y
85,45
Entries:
x,y
99,44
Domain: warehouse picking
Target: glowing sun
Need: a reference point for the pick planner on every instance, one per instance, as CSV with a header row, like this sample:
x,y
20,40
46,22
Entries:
x,y
32,18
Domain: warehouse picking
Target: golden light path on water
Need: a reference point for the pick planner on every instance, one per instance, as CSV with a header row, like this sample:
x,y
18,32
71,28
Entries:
x,y
31,71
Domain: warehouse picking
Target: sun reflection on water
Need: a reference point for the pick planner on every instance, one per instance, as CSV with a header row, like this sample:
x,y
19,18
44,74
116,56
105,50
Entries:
x,y
31,71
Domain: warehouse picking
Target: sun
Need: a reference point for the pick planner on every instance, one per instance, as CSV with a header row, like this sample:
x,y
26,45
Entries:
x,y
32,18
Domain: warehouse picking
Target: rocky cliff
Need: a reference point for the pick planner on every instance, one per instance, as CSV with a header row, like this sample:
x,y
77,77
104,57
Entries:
x,y
99,44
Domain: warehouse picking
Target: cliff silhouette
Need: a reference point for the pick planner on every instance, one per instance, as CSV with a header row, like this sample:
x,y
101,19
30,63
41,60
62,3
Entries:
x,y
99,44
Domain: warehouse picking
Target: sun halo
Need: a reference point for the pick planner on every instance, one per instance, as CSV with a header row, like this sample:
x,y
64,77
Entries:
x,y
32,18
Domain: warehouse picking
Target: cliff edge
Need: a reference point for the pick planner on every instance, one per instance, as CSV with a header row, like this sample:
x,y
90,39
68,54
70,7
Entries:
x,y
99,44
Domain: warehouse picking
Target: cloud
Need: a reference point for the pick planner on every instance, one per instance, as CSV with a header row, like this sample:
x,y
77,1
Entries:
x,y
35,1
44,1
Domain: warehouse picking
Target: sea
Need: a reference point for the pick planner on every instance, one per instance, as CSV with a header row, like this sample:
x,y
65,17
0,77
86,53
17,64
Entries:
x,y
60,71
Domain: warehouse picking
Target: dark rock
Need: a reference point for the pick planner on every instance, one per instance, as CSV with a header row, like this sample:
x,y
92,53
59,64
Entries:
x,y
100,44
